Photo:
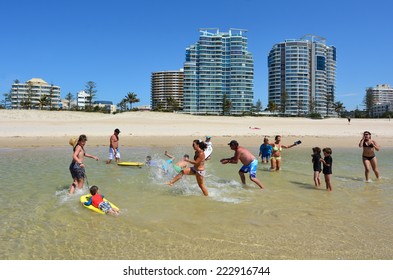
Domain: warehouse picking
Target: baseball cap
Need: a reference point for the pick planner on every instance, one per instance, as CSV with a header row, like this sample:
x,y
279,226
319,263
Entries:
x,y
233,143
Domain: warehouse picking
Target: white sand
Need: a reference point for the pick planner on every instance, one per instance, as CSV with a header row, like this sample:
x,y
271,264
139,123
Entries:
x,y
31,128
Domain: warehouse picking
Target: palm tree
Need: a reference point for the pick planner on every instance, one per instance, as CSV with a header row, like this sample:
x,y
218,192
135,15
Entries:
x,y
338,107
43,101
272,107
131,98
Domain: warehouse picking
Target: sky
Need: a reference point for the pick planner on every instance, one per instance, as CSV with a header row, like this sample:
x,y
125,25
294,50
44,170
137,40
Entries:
x,y
118,44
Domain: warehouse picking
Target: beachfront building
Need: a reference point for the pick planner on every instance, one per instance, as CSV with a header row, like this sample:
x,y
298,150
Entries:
x,y
82,99
219,73
35,94
382,96
302,76
107,106
167,90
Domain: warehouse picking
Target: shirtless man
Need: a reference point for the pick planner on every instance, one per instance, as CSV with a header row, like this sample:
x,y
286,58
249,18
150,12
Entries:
x,y
250,162
114,147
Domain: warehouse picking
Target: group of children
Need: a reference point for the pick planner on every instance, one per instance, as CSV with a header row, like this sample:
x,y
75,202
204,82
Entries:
x,y
271,151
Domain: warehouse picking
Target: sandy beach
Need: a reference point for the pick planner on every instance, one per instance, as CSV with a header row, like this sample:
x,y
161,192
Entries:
x,y
31,128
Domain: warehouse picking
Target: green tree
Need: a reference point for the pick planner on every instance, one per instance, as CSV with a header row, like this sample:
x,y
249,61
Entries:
x,y
91,93
284,99
6,100
258,106
329,102
338,107
368,101
131,98
27,102
122,105
172,103
69,97
43,101
226,105
272,107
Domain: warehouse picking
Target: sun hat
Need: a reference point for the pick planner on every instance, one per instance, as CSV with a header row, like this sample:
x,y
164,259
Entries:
x,y
73,141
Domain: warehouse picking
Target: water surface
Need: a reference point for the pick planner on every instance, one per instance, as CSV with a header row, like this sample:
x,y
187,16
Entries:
x,y
289,220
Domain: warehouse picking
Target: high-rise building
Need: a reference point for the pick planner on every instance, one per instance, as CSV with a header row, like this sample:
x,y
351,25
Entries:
x,y
35,94
382,97
302,76
167,90
218,73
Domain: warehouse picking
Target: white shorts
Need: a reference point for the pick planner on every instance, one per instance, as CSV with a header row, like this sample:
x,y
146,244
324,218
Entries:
x,y
111,153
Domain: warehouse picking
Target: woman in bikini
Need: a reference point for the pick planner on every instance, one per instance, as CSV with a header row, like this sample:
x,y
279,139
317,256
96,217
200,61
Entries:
x,y
276,156
77,168
198,169
368,155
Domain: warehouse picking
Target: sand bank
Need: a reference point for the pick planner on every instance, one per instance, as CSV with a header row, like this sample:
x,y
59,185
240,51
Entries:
x,y
31,128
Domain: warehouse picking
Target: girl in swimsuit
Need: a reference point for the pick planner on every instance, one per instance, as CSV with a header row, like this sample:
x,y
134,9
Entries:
x,y
368,155
198,169
276,156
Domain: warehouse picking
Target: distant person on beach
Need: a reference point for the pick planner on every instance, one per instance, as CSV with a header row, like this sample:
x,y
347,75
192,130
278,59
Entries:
x,y
178,166
77,167
114,147
349,120
369,147
327,167
249,161
316,163
97,200
198,169
265,151
277,148
209,147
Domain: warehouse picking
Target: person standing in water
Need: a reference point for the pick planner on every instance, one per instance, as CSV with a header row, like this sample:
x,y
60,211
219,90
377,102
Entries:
x,y
114,147
250,162
198,169
368,156
277,148
77,167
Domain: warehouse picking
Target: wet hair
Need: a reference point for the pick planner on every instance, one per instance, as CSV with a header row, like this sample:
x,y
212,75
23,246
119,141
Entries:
x,y
316,150
275,138
186,156
82,137
201,144
327,150
93,190
265,139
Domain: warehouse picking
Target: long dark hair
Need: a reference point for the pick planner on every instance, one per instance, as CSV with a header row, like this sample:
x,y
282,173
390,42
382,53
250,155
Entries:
x,y
201,144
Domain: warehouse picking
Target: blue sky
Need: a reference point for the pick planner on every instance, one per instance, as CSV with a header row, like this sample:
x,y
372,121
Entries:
x,y
119,43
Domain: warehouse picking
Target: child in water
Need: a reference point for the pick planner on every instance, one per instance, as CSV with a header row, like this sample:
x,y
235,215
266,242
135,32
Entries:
x,y
327,167
265,151
316,156
97,200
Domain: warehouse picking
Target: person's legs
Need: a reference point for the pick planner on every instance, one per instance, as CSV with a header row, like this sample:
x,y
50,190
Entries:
x,y
242,177
366,164
374,167
201,184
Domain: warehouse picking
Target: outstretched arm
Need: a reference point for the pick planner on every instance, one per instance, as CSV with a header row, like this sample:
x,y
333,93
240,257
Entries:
x,y
169,155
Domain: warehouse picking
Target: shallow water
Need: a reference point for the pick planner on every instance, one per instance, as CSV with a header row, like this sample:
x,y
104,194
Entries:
x,y
289,220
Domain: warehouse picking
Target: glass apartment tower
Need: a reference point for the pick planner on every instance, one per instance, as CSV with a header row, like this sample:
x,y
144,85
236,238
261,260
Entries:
x,y
218,67
302,76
